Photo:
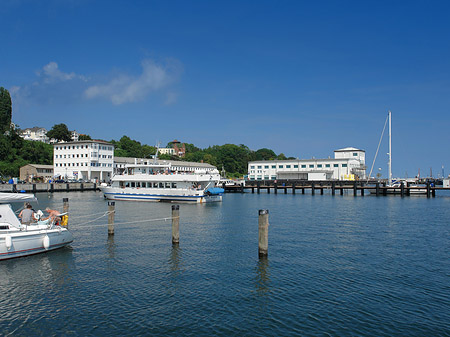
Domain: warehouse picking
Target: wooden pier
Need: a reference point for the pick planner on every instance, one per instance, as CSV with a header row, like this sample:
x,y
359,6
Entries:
x,y
335,187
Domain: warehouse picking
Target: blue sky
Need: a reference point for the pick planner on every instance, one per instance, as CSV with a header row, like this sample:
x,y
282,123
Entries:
x,y
300,77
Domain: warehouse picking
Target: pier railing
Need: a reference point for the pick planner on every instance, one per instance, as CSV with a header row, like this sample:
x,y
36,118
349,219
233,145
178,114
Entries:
x,y
48,187
335,186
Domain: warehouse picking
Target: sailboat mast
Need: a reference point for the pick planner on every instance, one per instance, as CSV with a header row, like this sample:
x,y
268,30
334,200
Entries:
x,y
390,149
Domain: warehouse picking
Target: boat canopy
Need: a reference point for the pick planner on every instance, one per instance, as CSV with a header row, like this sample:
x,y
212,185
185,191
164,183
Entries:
x,y
6,198
8,216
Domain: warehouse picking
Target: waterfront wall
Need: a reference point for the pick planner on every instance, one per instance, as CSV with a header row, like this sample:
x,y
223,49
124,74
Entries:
x,y
47,187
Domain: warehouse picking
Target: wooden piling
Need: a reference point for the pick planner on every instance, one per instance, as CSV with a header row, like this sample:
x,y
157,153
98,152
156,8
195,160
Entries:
x,y
402,189
293,188
258,187
377,189
263,232
342,189
275,188
313,192
333,188
428,189
66,210
355,189
111,215
362,189
175,224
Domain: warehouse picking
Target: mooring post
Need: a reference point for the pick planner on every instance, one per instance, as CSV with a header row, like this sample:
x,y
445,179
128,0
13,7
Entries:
x,y
258,187
408,190
377,189
263,232
293,188
355,189
333,188
66,210
111,215
362,189
312,188
275,187
34,188
384,189
342,189
67,187
175,224
402,189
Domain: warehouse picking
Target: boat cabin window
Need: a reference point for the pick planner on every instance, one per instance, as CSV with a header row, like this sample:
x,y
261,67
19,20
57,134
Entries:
x,y
174,185
133,184
138,184
127,184
155,185
4,227
121,183
167,185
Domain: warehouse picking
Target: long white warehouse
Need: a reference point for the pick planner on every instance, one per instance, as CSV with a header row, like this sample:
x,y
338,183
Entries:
x,y
348,164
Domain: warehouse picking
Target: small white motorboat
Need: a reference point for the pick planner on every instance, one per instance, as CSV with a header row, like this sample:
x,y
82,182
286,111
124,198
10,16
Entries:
x,y
18,240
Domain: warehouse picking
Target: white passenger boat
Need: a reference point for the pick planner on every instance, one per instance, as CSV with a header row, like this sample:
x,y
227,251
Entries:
x,y
18,240
165,181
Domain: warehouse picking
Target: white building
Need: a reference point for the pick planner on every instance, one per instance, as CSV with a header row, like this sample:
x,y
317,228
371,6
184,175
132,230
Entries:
x,y
167,150
185,166
36,133
348,164
89,159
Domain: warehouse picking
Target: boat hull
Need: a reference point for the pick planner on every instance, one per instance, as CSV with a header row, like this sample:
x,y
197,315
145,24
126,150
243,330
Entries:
x,y
149,195
32,241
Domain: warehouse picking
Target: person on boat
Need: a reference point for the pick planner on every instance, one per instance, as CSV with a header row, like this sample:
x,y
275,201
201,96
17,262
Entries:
x,y
53,214
27,215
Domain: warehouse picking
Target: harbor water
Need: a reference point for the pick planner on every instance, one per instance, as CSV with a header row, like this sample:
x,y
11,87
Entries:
x,y
337,266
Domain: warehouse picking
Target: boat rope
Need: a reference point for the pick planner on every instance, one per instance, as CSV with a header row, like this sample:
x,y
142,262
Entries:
x,y
123,223
378,148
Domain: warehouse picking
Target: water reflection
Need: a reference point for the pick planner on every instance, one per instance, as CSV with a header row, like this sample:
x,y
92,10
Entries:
x,y
262,279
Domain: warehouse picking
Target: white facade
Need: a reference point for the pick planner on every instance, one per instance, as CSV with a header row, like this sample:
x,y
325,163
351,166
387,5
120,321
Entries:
x,y
348,164
167,150
89,160
36,134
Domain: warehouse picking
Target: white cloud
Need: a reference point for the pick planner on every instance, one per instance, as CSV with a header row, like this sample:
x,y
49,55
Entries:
x,y
50,73
126,88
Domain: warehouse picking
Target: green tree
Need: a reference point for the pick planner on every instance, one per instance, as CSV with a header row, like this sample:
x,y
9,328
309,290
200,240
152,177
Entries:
x,y
265,154
5,110
60,132
84,137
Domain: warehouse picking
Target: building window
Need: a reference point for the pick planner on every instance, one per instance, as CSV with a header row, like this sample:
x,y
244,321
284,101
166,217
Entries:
x,y
295,166
274,166
319,165
288,166
303,166
266,166
280,166
335,165
311,166
344,165
252,167
327,165
259,166
355,154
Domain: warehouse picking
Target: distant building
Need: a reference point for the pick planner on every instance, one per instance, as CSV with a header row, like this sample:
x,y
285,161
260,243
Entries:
x,y
348,164
74,135
120,162
167,150
36,134
179,151
88,159
36,172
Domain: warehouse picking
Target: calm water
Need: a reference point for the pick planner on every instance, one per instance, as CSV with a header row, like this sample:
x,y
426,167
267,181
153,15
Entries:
x,y
337,266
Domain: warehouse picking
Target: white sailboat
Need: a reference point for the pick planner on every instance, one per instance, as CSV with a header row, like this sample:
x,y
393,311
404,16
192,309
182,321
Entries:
x,y
395,186
18,239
